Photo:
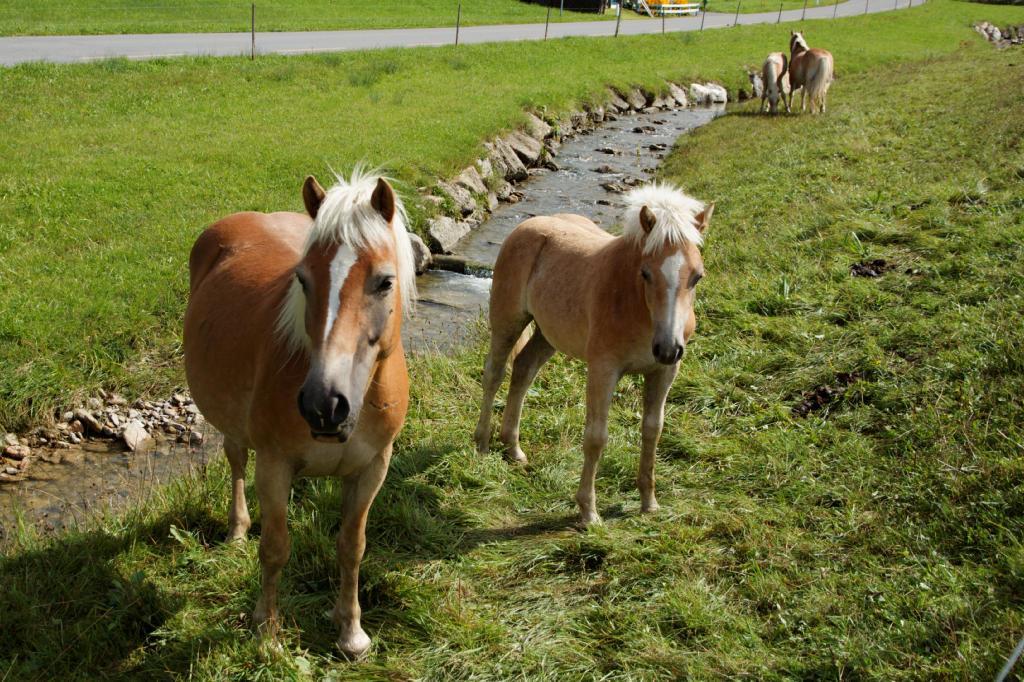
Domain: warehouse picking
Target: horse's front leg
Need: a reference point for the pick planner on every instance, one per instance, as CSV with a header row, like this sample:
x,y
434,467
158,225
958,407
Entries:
x,y
273,486
358,493
656,386
601,381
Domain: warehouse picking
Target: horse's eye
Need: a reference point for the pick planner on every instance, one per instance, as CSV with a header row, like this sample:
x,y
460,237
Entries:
x,y
385,285
646,274
696,277
302,281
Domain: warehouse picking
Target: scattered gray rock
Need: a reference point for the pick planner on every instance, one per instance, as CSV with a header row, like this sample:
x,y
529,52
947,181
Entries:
x,y
504,191
463,200
604,169
485,168
135,434
678,94
505,161
637,100
492,201
17,452
94,404
597,114
617,101
537,128
470,179
420,255
527,148
608,150
445,232
11,439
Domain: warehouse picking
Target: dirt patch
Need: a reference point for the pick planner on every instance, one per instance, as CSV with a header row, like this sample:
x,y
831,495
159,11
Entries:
x,y
871,268
822,396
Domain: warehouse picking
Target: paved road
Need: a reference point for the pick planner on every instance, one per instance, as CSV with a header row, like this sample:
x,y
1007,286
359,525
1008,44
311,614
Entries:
x,y
144,46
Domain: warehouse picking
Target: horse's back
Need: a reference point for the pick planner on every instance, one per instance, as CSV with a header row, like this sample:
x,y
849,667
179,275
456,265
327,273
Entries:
x,y
256,235
240,268
543,273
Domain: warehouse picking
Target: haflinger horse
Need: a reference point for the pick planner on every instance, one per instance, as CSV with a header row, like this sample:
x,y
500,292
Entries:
x,y
293,349
811,70
774,72
625,305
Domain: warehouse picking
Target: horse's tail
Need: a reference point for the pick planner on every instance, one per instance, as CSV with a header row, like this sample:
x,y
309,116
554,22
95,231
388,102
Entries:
x,y
819,82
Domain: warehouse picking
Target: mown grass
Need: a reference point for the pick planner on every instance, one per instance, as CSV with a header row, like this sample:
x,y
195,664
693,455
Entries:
x,y
111,169
879,538
755,6
69,17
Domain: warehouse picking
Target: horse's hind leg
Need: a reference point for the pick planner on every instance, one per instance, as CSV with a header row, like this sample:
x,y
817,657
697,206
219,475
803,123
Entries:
x,y
503,340
238,513
524,371
656,386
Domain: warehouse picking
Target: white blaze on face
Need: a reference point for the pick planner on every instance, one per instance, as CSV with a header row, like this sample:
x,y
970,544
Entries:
x,y
343,261
670,269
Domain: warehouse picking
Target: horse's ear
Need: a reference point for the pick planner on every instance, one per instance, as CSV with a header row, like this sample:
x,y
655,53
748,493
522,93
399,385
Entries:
x,y
647,219
383,199
312,195
704,217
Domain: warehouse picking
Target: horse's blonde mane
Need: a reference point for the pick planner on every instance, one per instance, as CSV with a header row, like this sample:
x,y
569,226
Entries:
x,y
798,38
675,217
346,217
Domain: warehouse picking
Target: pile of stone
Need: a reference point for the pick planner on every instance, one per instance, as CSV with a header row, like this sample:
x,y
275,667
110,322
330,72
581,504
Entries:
x,y
106,417
1001,37
464,202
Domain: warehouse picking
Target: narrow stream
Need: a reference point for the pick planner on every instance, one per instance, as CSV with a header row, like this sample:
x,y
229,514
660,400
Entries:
x,y
98,476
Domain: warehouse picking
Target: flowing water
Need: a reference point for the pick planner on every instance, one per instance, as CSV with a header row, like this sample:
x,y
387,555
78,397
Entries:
x,y
99,476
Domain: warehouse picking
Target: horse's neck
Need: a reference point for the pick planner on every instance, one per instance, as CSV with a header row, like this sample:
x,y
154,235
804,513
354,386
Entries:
x,y
617,270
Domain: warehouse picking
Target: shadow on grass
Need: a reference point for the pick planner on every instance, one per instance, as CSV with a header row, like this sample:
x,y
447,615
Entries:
x,y
77,605
68,608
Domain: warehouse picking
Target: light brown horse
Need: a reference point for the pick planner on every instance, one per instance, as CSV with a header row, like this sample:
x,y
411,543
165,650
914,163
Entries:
x,y
811,70
293,349
623,304
774,73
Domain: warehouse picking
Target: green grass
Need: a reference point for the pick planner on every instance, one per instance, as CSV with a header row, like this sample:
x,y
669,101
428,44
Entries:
x,y
65,17
878,539
112,169
754,6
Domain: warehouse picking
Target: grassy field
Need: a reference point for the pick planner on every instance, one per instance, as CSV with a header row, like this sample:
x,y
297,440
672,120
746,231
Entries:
x,y
111,169
879,537
754,6
62,17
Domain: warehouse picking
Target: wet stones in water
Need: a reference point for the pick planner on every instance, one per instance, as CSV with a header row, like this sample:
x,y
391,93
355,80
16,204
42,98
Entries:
x,y
644,130
608,150
658,147
822,396
604,169
870,268
614,187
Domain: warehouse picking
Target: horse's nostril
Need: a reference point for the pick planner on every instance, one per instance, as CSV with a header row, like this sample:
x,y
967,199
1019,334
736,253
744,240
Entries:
x,y
678,352
656,349
339,409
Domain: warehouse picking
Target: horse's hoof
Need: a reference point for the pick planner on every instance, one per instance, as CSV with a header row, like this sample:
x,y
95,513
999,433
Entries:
x,y
649,507
516,456
590,520
355,645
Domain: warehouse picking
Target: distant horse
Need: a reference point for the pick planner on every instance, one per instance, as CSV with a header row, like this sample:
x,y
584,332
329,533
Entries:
x,y
811,70
293,349
774,71
623,304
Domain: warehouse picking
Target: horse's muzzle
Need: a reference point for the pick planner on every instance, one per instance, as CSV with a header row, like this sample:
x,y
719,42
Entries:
x,y
326,413
667,353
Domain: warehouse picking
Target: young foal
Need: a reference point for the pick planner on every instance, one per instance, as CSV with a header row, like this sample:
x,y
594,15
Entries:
x,y
774,73
293,349
811,70
622,304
